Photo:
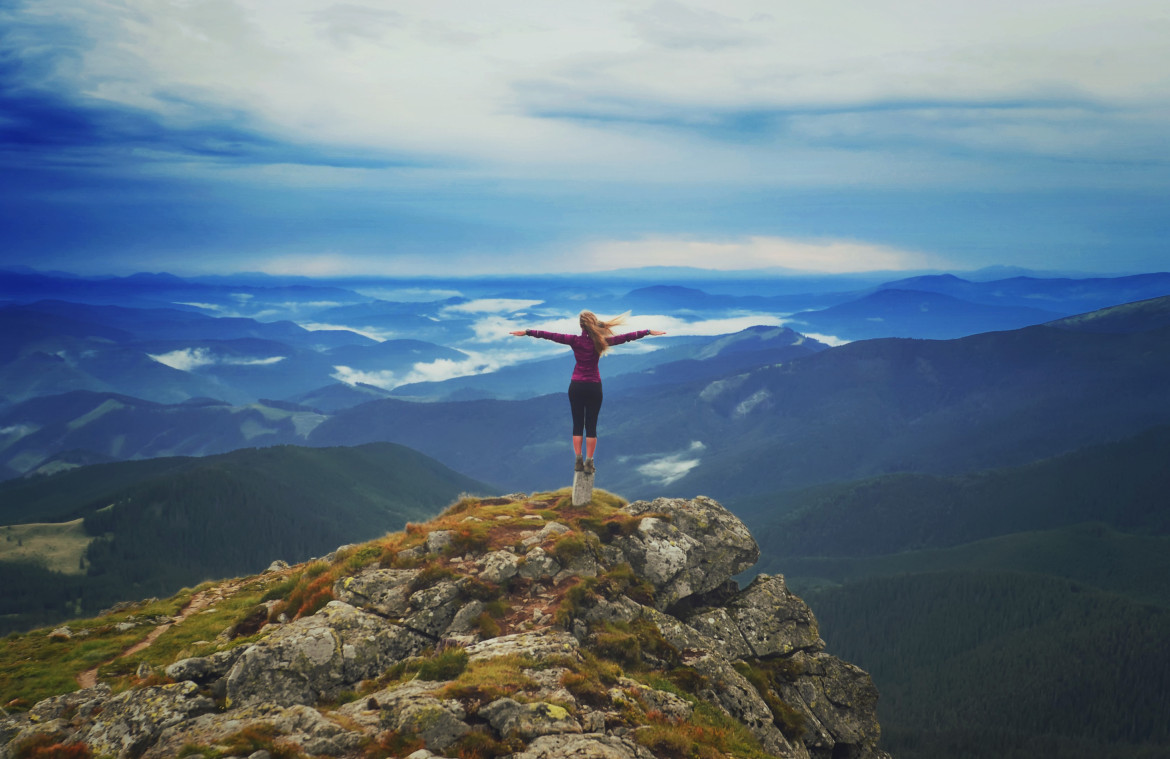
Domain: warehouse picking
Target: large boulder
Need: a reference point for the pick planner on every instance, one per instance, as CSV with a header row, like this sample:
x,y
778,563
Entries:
x,y
302,726
763,620
587,746
694,547
319,656
510,719
838,703
131,722
382,591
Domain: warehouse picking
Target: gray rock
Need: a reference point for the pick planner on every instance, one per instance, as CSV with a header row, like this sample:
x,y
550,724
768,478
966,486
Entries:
x,y
433,609
735,695
765,619
838,703
650,699
384,591
582,565
438,723
583,746
498,566
466,619
277,566
538,564
131,722
697,550
512,719
204,669
536,645
439,540
319,656
80,703
301,725
411,554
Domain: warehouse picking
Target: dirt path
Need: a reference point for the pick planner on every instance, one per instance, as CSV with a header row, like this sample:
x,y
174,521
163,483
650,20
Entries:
x,y
198,603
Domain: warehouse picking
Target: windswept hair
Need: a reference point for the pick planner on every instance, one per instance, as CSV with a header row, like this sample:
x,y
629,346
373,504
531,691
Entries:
x,y
599,330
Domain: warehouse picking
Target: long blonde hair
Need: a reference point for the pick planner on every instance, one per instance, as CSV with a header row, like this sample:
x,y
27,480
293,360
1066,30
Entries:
x,y
599,330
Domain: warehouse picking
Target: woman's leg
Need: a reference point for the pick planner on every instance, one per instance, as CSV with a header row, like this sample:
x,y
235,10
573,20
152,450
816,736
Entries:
x,y
592,410
577,407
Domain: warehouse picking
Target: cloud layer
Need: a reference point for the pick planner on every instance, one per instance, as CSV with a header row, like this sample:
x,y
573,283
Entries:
x,y
322,138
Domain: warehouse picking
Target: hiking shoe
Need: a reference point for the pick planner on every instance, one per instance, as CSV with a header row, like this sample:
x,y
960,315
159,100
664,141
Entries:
x,y
589,468
580,465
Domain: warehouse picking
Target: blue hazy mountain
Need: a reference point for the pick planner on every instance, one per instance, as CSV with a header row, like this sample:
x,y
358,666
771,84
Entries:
x,y
169,355
242,295
122,427
857,410
1064,295
911,313
672,361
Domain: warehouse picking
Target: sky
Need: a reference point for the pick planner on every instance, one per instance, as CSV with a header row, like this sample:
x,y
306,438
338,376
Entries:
x,y
440,138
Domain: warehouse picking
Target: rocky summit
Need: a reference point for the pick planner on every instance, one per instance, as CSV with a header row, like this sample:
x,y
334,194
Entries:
x,y
518,626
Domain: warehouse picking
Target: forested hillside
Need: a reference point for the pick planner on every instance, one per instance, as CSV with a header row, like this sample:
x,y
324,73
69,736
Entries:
x,y
160,525
1006,666
1016,612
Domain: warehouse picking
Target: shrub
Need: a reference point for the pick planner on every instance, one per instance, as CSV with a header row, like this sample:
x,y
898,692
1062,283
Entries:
x,y
617,645
392,744
46,746
481,590
468,540
586,689
487,626
665,741
255,738
568,548
447,664
430,577
480,744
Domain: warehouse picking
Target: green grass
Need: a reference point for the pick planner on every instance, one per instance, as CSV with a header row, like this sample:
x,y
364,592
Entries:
x,y
57,547
196,635
35,666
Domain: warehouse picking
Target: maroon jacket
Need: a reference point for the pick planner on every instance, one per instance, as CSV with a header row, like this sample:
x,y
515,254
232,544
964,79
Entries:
x,y
584,350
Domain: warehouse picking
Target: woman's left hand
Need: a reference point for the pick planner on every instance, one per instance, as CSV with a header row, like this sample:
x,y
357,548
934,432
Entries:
x,y
518,332
657,332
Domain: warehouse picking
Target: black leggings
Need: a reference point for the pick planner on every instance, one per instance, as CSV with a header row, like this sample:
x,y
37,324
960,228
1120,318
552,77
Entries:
x,y
585,400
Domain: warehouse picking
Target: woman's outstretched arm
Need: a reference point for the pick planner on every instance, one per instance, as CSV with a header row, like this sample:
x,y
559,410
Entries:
x,y
556,337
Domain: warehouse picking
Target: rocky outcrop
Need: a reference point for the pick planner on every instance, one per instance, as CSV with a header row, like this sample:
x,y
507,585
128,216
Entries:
x,y
600,633
317,657
686,547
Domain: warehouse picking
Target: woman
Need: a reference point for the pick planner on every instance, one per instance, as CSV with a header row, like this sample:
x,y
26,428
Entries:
x,y
585,387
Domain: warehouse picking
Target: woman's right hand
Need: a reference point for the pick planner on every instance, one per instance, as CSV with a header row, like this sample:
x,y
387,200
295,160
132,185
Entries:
x,y
518,332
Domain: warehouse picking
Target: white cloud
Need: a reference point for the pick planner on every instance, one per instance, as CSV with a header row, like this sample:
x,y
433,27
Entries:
x,y
432,371
492,305
614,88
831,256
185,359
371,332
676,326
387,380
831,340
190,359
672,467
407,294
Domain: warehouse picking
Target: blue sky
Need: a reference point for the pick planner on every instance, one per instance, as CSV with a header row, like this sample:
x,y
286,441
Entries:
x,y
407,138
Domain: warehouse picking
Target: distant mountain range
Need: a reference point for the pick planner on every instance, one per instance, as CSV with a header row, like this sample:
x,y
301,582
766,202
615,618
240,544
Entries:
x,y
168,339
857,410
